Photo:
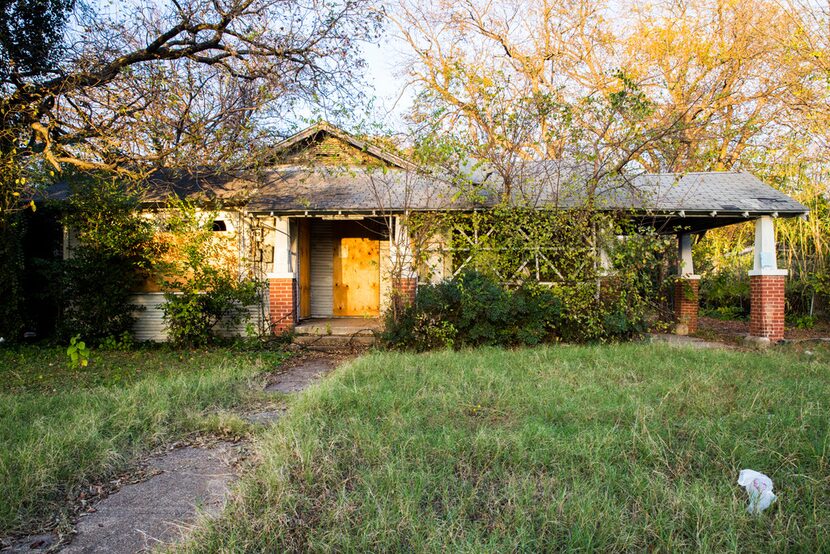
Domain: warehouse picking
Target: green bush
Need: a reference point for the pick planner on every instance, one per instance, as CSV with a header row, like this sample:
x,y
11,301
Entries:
x,y
727,313
202,287
474,310
725,292
193,312
12,308
115,253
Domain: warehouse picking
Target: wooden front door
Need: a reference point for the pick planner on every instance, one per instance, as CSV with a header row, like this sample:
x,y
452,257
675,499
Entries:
x,y
356,275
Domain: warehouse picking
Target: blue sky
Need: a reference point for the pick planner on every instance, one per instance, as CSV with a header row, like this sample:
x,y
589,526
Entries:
x,y
386,78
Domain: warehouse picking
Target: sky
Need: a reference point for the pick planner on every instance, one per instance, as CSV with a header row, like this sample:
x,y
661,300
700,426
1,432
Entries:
x,y
386,79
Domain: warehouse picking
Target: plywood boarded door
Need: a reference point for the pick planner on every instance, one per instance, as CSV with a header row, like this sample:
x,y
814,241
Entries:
x,y
357,276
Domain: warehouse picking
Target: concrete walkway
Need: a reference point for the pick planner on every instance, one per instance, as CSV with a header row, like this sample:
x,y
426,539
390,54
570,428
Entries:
x,y
160,510
685,341
186,481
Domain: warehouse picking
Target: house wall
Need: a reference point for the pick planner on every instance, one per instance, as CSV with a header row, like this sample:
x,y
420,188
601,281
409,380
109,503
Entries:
x,y
249,247
328,150
385,275
258,253
150,325
435,260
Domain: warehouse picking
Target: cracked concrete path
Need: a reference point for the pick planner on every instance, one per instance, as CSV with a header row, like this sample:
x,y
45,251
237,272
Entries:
x,y
160,510
298,377
190,480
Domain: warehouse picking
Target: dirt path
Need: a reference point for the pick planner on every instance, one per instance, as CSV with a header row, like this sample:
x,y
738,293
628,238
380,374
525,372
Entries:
x,y
686,341
186,481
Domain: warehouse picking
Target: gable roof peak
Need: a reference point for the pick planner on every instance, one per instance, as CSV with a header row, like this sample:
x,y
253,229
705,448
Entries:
x,y
324,126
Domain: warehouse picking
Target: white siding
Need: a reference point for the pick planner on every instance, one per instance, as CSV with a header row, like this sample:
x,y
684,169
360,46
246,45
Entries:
x,y
149,322
322,269
150,325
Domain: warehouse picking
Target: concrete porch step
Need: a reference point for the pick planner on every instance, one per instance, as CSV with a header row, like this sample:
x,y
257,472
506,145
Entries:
x,y
338,326
326,343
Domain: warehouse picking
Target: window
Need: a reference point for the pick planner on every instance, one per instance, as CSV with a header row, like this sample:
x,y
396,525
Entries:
x,y
219,225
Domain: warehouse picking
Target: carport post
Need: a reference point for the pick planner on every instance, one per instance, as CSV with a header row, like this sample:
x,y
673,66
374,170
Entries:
x,y
686,288
766,283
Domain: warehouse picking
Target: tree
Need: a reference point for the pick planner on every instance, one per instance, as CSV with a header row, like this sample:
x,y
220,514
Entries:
x,y
525,81
136,83
31,32
661,86
130,87
718,69
114,253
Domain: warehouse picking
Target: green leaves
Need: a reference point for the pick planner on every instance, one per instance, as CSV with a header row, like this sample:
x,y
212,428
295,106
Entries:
x,y
115,253
77,352
204,290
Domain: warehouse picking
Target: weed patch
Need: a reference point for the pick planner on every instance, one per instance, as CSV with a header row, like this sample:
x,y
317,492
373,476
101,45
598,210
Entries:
x,y
61,428
612,448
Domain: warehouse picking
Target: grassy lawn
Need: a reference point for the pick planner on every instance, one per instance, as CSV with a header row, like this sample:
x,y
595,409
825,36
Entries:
x,y
61,428
610,448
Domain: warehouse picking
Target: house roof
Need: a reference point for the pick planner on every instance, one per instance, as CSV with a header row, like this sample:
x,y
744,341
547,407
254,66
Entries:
x,y
693,201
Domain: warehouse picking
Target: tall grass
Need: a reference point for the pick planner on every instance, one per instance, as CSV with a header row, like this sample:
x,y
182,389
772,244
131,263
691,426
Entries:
x,y
610,448
59,432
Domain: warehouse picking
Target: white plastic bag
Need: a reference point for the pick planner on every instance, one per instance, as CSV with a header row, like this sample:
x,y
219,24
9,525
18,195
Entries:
x,y
759,488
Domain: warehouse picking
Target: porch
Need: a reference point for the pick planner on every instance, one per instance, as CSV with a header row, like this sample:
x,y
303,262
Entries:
x,y
337,333
332,274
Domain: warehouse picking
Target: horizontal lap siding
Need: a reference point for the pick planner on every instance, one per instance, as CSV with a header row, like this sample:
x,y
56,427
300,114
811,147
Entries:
x,y
322,269
150,325
149,322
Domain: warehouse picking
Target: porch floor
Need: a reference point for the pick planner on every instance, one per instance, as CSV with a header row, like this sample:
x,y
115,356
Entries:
x,y
339,326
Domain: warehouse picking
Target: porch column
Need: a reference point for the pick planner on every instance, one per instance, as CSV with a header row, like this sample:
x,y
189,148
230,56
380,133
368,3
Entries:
x,y
766,284
405,277
282,280
686,288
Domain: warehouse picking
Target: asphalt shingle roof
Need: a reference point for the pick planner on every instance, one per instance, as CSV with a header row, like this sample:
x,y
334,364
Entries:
x,y
299,189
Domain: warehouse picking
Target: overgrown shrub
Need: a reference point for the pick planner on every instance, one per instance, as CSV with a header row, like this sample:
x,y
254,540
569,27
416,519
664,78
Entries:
x,y
473,310
202,287
114,254
725,292
532,276
11,266
193,312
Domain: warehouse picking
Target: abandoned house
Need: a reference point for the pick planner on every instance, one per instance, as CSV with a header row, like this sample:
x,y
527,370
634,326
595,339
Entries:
x,y
325,227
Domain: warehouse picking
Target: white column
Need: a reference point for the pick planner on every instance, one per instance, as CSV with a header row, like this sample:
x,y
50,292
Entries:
x,y
686,269
604,264
765,260
400,246
283,266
